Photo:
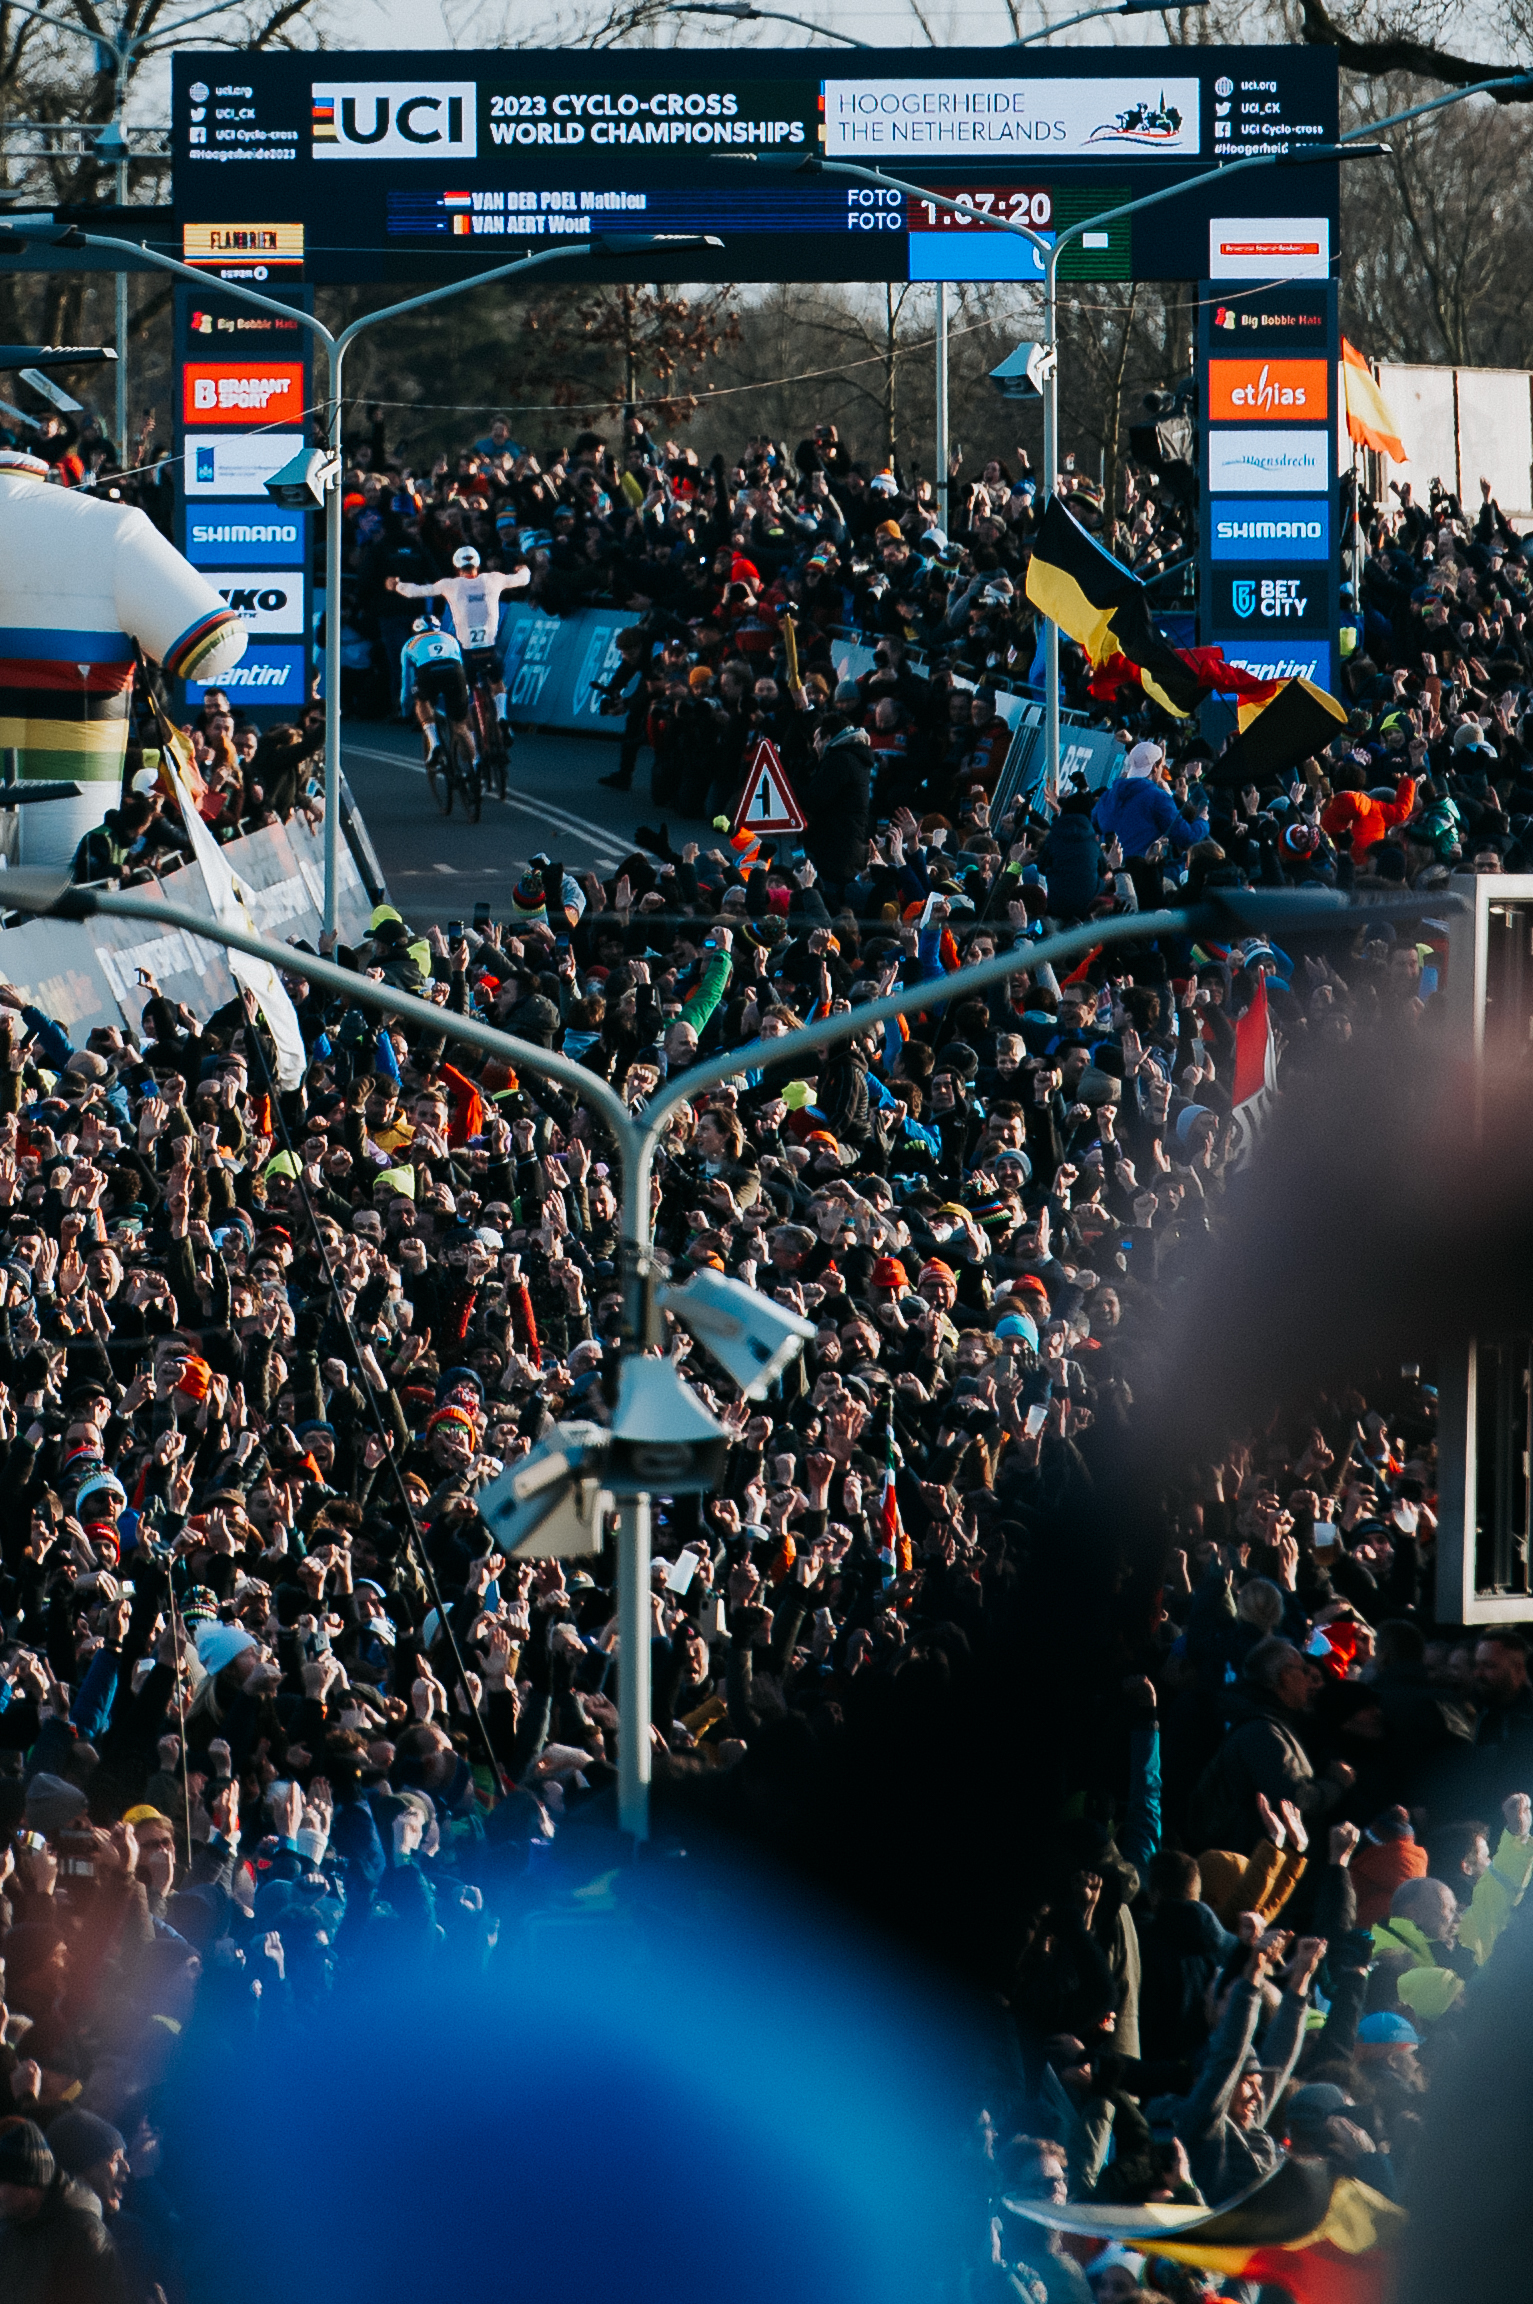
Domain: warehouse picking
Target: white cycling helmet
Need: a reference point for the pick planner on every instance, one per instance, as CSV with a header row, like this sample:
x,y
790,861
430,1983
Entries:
x,y
426,624
465,557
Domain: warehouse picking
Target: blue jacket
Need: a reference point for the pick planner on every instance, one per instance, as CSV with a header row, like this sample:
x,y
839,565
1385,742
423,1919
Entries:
x,y
1136,811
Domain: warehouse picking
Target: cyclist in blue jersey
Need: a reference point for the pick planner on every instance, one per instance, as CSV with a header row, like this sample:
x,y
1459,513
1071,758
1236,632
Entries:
x,y
431,667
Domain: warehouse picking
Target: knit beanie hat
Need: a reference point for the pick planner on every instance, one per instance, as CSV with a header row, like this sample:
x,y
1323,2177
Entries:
x,y
24,2154
78,2140
451,1414
52,1806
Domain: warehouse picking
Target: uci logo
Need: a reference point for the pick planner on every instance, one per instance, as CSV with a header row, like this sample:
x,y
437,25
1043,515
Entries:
x,y
1243,596
395,119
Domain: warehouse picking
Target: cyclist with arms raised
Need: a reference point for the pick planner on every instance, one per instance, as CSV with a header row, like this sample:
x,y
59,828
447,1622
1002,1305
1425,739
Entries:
x,y
473,600
431,664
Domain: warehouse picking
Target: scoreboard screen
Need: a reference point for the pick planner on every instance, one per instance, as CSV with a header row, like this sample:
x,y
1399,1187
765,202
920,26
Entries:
x,y
382,167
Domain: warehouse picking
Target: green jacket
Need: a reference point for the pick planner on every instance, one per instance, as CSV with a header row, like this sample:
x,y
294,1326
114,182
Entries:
x,y
697,1009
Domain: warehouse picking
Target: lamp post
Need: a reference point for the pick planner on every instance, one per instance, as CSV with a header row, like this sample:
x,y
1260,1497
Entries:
x,y
1088,15
110,145
321,482
1227,912
744,13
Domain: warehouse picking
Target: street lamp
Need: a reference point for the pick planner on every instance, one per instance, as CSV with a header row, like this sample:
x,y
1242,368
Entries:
x,y
329,465
111,146
1087,15
713,1312
744,13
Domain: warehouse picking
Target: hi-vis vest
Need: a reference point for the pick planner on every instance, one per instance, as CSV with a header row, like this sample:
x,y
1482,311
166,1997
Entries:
x,y
80,581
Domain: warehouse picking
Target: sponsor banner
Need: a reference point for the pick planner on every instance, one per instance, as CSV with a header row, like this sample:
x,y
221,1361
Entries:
x,y
395,119
1282,660
202,325
239,464
86,972
241,392
1295,600
269,601
953,119
1271,319
247,536
552,665
1299,458
1268,391
267,673
1269,528
1269,248
219,244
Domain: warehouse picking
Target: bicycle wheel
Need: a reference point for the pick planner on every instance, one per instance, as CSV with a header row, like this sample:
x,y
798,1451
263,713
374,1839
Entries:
x,y
500,747
439,774
465,768
487,735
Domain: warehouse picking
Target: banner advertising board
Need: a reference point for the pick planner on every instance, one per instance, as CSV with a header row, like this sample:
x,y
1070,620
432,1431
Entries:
x,y
1269,573
406,165
243,399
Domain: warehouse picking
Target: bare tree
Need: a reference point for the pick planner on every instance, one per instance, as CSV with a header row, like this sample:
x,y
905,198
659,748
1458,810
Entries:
x,y
662,342
1434,241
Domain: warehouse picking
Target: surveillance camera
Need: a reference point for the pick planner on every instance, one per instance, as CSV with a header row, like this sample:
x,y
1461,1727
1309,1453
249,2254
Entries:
x,y
301,484
1023,373
550,1504
752,1338
664,1442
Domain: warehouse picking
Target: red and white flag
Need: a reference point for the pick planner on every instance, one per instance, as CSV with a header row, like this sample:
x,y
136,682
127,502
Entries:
x,y
894,1548
1255,1078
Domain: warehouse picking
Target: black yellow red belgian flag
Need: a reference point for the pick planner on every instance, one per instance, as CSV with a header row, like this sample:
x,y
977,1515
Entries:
x,y
1103,605
1300,720
1324,2239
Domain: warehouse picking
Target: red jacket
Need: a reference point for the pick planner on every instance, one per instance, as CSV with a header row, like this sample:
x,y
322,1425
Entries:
x,y
1368,820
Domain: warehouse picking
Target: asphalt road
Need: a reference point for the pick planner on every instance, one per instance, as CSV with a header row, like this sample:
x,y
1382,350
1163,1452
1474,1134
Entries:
x,y
439,867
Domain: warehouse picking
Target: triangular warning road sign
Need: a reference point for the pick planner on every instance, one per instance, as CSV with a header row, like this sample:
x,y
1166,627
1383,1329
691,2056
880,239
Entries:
x,y
767,803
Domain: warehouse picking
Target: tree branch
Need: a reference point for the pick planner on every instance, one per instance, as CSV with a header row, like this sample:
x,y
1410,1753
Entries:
x,y
1398,52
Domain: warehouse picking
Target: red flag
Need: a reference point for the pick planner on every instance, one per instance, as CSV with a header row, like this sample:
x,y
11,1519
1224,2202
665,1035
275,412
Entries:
x,y
1254,1062
1216,677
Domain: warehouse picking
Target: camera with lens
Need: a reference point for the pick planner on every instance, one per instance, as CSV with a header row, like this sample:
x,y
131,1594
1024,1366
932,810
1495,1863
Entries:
x,y
76,1851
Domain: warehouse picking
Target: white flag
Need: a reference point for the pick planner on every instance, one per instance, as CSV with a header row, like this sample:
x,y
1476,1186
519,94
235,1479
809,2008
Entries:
x,y
231,908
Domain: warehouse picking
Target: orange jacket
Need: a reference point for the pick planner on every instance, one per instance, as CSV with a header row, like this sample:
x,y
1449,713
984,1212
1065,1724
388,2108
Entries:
x,y
1368,820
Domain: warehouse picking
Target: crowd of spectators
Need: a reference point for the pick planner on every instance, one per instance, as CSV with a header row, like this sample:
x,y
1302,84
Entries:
x,y
260,1352
744,582
1221,1820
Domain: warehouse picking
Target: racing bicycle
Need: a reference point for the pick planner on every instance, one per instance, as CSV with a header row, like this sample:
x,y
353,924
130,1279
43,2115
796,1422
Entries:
x,y
491,734
455,768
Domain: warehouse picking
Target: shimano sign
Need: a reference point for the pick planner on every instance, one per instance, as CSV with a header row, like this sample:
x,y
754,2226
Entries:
x,y
1259,528
254,536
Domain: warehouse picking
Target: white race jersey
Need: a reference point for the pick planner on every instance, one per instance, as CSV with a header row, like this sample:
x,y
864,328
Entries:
x,y
473,602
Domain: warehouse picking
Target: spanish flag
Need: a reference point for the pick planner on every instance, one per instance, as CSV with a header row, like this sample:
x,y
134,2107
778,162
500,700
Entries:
x,y
1103,605
1275,736
1369,421
1324,2239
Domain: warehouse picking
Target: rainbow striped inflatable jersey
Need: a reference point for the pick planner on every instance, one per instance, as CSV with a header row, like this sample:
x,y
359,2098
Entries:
x,y
80,581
